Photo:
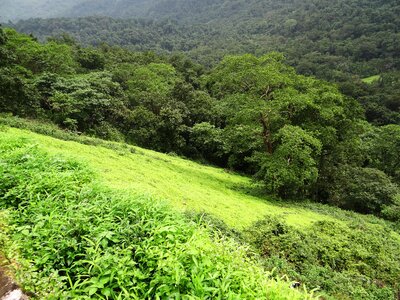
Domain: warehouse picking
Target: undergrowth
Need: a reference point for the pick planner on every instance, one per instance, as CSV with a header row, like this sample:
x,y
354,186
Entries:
x,y
354,261
78,240
347,255
7,247
357,260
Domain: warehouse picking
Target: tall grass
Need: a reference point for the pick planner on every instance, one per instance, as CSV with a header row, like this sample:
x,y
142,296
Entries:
x,y
80,241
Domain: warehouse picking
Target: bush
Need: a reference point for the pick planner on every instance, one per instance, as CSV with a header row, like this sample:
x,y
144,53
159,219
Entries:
x,y
392,212
364,190
107,132
347,261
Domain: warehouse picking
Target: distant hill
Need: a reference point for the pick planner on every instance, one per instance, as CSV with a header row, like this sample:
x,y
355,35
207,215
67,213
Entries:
x,y
357,37
112,8
14,10
340,41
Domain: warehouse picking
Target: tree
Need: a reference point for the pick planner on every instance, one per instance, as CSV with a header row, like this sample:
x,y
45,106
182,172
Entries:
x,y
17,94
85,102
385,150
38,58
208,141
5,55
264,105
152,88
3,37
91,59
293,167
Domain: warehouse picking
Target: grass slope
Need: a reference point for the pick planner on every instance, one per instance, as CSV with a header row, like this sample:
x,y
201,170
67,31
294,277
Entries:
x,y
347,255
185,184
79,240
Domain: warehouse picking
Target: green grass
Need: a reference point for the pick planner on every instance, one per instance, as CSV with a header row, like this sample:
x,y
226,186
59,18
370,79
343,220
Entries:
x,y
186,185
371,79
309,230
80,240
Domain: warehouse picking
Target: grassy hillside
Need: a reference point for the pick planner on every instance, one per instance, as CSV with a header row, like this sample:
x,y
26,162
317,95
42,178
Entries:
x,y
235,199
80,240
345,254
187,185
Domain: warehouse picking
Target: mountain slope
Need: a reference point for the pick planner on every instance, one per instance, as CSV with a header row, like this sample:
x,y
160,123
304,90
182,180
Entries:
x,y
339,41
72,238
329,39
187,185
115,8
347,255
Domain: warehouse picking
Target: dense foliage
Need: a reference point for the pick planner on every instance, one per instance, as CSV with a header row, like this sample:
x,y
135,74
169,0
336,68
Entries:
x,y
346,258
82,241
340,41
352,261
350,258
298,135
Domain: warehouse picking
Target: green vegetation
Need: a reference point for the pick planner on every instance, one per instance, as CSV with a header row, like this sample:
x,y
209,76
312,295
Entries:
x,y
353,261
8,248
345,254
88,197
380,98
298,136
187,185
79,240
340,41
371,79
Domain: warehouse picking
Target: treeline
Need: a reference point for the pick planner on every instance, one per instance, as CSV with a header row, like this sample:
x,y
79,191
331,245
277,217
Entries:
x,y
256,115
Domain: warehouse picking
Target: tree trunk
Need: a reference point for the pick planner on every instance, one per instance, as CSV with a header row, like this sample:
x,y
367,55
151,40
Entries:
x,y
266,133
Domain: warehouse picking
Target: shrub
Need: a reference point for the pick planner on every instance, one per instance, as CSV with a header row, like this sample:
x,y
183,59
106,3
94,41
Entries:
x,y
347,261
392,212
364,190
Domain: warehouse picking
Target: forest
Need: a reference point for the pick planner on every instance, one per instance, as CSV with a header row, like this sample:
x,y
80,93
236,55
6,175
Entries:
x,y
341,41
255,115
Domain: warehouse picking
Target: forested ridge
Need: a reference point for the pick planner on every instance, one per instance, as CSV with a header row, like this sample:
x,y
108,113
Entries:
x,y
339,41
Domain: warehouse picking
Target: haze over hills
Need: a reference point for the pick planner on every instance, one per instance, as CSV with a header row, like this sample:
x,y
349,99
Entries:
x,y
187,10
204,10
25,9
